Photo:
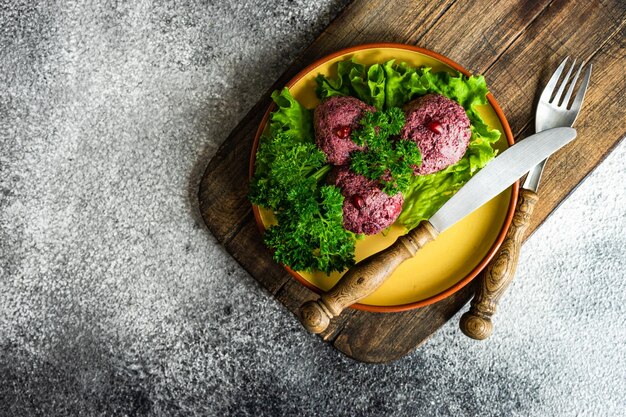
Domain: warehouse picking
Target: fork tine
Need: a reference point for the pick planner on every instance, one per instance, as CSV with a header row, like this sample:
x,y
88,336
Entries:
x,y
549,88
578,100
570,90
557,97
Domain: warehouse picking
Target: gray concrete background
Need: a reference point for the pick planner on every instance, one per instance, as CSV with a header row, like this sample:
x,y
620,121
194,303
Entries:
x,y
114,300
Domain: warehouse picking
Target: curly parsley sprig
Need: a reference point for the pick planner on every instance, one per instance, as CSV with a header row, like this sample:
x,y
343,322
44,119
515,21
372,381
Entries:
x,y
309,235
389,161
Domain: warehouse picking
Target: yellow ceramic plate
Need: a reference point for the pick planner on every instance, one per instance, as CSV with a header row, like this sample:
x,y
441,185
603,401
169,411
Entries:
x,y
458,254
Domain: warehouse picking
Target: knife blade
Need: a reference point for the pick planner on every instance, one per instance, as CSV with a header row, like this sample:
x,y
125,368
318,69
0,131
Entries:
x,y
500,173
369,274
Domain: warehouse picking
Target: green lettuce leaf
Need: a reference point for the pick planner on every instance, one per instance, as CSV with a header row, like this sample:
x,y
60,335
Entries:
x,y
398,84
357,80
341,85
291,118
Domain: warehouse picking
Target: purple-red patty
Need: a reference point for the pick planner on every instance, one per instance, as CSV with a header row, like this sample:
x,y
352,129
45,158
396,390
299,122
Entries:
x,y
334,120
366,208
440,128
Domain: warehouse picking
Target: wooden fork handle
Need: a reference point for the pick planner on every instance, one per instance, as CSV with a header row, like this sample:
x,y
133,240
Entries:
x,y
363,278
497,276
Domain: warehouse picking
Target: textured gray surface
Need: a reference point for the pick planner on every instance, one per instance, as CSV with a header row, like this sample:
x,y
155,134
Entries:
x,y
115,300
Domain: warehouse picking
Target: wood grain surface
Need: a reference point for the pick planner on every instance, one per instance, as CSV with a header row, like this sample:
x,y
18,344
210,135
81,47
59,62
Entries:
x,y
516,45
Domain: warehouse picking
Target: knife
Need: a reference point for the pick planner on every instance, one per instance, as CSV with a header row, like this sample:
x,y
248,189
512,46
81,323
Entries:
x,y
369,274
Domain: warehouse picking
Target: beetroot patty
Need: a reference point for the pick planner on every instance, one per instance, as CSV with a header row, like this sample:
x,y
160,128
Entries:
x,y
334,120
440,128
366,208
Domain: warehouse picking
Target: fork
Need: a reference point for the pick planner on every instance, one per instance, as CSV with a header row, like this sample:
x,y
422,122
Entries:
x,y
553,110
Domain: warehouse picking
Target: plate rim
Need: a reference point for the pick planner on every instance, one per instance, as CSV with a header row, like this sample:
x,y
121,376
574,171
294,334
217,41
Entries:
x,y
512,203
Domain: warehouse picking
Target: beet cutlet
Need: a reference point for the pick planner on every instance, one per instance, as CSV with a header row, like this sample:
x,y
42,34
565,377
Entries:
x,y
334,120
366,208
440,128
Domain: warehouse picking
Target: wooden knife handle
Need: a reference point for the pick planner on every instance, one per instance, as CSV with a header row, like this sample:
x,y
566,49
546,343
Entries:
x,y
363,278
497,276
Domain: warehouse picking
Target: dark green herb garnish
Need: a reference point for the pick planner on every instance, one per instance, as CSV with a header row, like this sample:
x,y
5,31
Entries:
x,y
389,161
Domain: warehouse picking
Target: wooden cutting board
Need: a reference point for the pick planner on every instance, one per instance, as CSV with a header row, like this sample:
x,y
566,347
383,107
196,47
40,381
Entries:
x,y
516,45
